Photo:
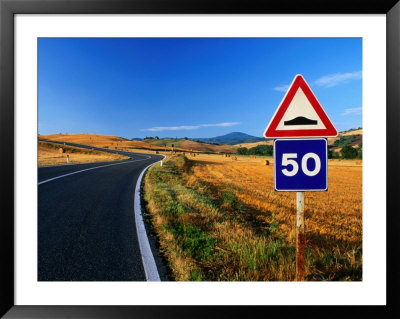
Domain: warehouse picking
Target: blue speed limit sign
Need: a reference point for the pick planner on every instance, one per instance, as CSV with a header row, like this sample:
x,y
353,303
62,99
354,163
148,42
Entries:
x,y
301,164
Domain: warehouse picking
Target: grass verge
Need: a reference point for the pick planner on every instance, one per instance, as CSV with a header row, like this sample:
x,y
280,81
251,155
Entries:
x,y
207,234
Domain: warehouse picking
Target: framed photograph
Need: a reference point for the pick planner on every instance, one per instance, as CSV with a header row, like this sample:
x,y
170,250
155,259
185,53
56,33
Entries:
x,y
175,159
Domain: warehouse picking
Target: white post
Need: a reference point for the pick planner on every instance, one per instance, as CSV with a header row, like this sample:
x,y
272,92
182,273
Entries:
x,y
300,237
161,163
67,158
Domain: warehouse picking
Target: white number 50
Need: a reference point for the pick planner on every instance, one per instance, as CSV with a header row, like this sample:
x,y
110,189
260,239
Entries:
x,y
287,159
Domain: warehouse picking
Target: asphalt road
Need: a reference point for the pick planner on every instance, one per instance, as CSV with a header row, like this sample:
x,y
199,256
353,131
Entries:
x,y
86,221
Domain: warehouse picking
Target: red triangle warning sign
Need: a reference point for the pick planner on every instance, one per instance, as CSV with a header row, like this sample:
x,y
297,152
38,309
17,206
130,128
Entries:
x,y
300,115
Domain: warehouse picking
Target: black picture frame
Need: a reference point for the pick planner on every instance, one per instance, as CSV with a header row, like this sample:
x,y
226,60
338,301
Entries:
x,y
8,8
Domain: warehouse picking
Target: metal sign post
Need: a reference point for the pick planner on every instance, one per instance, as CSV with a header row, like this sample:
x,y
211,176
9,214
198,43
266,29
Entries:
x,y
300,165
301,126
300,237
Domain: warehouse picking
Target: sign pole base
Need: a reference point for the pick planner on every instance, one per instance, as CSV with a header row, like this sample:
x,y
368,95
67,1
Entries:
x,y
300,237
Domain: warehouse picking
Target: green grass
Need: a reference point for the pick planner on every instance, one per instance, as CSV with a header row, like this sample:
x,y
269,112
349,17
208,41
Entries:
x,y
193,240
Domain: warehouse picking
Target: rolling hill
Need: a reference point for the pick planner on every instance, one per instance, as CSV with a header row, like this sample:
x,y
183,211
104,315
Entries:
x,y
190,145
114,142
354,134
220,144
98,140
231,139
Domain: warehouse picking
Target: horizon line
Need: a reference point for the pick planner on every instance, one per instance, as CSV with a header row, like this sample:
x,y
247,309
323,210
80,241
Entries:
x,y
170,137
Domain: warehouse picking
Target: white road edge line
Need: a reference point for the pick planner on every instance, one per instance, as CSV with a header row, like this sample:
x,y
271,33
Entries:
x,y
149,264
88,169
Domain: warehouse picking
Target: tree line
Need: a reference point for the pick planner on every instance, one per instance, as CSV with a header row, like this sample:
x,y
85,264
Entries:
x,y
266,150
347,151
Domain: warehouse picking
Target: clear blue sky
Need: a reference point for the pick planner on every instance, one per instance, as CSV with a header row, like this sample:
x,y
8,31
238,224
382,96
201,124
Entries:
x,y
190,87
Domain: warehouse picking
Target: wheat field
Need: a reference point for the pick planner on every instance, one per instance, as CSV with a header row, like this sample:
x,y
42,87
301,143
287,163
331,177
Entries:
x,y
50,154
336,214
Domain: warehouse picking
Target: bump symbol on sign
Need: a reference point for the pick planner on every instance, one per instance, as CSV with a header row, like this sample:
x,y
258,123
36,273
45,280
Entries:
x,y
301,120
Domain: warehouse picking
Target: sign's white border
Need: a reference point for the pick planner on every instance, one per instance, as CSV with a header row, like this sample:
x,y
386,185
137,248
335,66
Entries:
x,y
326,166
372,290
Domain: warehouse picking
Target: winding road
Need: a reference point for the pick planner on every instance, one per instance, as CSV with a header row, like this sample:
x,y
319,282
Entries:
x,y
86,220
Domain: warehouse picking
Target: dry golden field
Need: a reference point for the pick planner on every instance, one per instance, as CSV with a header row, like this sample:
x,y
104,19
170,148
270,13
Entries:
x,y
49,154
204,147
250,145
219,218
335,214
353,132
104,141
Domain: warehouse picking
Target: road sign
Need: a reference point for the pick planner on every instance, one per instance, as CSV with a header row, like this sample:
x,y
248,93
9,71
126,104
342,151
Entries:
x,y
300,115
301,164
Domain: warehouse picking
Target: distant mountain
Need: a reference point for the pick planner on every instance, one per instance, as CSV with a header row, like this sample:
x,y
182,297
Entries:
x,y
231,139
136,139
